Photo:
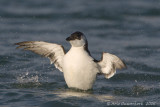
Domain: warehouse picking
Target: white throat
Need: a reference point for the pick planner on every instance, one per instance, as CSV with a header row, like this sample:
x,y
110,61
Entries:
x,y
79,43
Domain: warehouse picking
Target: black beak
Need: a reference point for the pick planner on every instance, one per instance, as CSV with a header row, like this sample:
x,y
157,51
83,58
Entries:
x,y
69,39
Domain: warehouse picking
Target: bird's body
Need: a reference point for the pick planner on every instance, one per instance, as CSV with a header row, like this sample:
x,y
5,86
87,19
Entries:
x,y
79,68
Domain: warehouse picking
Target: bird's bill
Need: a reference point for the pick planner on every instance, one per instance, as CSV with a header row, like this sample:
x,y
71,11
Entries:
x,y
69,39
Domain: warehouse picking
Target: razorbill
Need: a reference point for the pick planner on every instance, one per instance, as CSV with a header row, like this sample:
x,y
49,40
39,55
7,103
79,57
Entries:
x,y
78,66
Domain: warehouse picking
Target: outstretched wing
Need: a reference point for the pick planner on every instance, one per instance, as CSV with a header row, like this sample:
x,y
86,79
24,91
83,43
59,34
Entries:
x,y
54,52
109,63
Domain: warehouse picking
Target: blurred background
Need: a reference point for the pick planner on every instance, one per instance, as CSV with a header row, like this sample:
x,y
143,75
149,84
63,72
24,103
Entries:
x,y
127,28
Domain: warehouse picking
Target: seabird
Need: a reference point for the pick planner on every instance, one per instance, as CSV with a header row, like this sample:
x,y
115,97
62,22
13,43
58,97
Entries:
x,y
78,66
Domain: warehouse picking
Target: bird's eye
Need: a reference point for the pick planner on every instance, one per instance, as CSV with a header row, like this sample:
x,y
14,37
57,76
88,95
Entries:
x,y
78,37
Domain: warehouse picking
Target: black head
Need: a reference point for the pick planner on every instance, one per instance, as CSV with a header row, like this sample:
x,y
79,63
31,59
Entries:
x,y
76,35
77,39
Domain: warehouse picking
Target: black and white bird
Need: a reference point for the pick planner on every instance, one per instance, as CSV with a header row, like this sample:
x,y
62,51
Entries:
x,y
78,66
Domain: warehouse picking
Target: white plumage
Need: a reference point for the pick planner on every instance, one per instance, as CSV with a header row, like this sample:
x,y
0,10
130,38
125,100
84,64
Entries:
x,y
79,68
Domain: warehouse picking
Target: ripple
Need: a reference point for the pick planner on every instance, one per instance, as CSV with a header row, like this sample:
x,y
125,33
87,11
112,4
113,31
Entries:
x,y
25,85
57,104
5,59
139,77
136,91
143,67
6,76
142,47
143,51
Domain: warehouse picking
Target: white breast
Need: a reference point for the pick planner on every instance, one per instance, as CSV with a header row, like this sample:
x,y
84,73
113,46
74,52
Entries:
x,y
79,69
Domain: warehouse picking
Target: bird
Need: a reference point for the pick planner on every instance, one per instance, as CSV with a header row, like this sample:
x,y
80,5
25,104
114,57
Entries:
x,y
79,68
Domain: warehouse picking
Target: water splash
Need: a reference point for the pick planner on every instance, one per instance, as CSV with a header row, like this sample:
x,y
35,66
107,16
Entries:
x,y
25,78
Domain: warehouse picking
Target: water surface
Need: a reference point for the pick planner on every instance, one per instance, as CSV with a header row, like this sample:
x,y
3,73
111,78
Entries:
x,y
127,28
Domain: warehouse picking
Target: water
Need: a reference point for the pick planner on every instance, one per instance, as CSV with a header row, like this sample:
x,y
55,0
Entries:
x,y
128,28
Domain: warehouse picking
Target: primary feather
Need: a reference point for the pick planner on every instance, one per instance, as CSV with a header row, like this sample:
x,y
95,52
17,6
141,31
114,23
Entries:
x,y
54,52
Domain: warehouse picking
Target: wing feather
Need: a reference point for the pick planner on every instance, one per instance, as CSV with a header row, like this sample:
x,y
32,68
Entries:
x,y
52,51
109,63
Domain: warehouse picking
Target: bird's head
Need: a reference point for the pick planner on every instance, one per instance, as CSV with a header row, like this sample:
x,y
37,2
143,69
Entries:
x,y
77,39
